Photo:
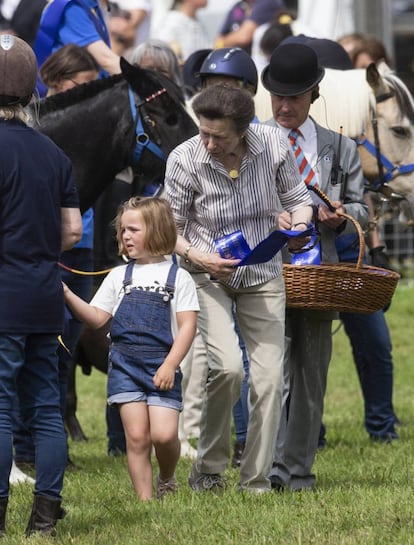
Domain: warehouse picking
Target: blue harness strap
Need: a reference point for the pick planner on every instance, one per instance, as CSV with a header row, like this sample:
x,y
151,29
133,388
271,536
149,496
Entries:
x,y
391,170
142,139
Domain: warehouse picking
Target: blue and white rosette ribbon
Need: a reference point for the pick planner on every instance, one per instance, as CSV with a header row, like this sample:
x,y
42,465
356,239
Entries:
x,y
235,246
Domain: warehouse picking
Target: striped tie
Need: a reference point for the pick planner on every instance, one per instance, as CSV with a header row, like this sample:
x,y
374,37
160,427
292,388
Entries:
x,y
306,171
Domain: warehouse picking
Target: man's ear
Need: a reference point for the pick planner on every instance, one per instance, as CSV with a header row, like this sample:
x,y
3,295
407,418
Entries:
x,y
315,94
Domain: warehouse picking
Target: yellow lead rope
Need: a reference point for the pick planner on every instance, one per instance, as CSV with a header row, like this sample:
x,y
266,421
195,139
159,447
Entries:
x,y
84,273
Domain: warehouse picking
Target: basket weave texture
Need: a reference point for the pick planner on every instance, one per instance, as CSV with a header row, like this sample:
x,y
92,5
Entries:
x,y
342,287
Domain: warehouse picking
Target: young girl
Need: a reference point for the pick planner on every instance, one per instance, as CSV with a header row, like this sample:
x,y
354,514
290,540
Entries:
x,y
153,306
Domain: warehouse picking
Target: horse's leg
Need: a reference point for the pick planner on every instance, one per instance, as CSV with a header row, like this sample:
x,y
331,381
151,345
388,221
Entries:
x,y
91,351
71,421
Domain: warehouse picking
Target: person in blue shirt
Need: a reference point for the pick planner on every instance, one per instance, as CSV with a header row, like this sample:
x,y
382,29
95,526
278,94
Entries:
x,y
79,22
39,218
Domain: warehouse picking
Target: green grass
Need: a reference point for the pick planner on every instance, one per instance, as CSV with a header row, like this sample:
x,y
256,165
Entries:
x,y
364,493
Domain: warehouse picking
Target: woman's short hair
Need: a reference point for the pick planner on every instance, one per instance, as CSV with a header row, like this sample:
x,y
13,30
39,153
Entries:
x,y
161,231
163,58
65,63
218,102
357,43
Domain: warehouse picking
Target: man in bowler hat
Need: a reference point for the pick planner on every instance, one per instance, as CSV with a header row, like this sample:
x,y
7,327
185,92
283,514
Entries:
x,y
331,162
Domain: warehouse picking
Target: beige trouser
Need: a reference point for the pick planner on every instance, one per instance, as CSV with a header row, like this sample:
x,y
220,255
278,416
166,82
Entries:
x,y
195,369
260,312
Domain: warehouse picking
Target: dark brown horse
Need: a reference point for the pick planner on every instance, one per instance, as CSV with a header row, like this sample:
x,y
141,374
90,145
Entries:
x,y
131,120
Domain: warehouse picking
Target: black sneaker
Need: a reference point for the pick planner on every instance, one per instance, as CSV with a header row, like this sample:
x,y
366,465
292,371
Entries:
x,y
205,482
276,483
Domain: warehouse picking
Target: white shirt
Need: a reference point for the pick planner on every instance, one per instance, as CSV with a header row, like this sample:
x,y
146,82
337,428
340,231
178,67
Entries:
x,y
325,19
185,33
150,277
8,7
143,30
308,141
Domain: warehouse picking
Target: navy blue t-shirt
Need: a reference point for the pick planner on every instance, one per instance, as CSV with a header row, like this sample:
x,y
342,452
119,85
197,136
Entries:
x,y
263,11
35,183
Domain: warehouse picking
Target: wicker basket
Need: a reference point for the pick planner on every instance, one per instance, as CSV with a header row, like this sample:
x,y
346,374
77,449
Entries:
x,y
342,287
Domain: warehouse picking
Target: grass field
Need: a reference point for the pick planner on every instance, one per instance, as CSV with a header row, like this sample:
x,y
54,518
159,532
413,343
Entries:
x,y
364,493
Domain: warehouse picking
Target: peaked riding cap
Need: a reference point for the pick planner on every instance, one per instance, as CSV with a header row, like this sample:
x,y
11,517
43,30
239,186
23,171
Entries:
x,y
293,70
18,70
230,61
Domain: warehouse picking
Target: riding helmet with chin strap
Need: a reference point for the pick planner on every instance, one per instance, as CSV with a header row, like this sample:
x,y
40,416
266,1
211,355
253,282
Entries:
x,y
18,69
230,61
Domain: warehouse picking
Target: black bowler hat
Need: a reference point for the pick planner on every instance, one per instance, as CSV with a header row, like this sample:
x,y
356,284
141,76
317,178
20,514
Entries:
x,y
293,70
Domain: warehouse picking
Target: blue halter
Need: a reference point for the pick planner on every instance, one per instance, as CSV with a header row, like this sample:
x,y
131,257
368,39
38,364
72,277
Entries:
x,y
142,138
390,171
387,170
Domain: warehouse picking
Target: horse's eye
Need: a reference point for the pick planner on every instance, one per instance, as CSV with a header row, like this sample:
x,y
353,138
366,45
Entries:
x,y
172,120
401,132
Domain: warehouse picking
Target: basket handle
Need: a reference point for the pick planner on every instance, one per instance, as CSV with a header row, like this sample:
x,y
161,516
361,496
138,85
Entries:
x,y
360,237
355,223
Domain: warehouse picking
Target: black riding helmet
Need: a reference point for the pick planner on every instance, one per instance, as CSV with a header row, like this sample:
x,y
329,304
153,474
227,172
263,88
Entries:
x,y
18,69
191,70
230,61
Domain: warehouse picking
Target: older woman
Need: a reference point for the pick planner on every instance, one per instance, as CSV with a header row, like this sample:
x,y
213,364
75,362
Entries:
x,y
157,55
235,176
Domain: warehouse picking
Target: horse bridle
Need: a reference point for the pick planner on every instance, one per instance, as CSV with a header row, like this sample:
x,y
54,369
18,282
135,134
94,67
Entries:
x,y
387,171
142,138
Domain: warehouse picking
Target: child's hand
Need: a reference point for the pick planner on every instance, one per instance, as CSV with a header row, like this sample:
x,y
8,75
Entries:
x,y
164,377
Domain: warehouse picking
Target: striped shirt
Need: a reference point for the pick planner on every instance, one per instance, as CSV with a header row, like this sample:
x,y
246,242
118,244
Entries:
x,y
208,204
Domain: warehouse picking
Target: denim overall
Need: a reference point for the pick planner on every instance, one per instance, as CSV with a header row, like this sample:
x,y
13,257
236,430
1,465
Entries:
x,y
141,338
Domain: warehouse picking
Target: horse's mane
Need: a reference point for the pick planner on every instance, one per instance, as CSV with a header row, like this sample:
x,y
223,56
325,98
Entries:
x,y
346,97
402,94
152,82
77,94
344,101
147,85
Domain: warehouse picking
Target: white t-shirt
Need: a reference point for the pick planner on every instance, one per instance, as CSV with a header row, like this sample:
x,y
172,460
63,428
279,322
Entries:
x,y
143,30
150,277
185,33
8,7
322,19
